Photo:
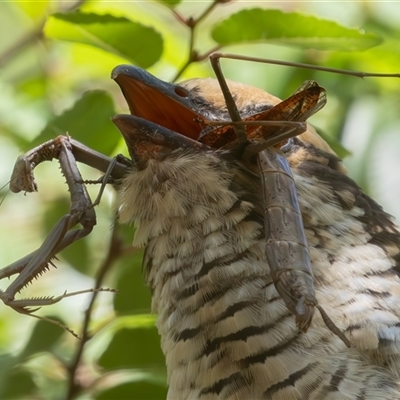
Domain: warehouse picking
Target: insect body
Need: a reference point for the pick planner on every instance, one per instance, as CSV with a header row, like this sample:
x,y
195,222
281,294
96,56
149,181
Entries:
x,y
286,246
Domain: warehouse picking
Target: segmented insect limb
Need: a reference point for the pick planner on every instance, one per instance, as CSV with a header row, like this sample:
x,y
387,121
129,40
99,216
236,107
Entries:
x,y
61,236
21,305
22,178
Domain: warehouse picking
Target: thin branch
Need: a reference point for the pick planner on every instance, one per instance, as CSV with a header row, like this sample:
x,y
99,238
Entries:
x,y
28,39
202,57
182,69
192,54
192,23
32,36
208,10
114,252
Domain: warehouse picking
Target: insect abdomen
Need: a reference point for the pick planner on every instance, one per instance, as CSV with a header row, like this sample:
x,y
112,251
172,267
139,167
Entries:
x,y
286,244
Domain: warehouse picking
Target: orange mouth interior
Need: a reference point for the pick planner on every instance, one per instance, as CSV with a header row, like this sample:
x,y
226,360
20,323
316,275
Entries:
x,y
148,103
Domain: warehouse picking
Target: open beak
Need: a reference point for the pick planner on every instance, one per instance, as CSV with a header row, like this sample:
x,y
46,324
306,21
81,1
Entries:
x,y
165,104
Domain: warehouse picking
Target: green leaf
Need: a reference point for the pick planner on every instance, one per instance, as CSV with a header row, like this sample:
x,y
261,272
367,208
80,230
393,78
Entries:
x,y
43,337
133,295
19,385
137,43
135,391
87,121
134,348
274,26
8,365
35,9
170,3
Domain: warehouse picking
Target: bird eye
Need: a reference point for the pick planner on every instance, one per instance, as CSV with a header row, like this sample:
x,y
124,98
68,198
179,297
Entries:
x,y
180,91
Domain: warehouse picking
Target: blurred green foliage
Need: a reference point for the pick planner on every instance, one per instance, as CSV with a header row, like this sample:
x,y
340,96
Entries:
x,y
56,64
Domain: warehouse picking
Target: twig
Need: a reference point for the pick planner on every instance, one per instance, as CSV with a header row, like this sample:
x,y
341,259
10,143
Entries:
x,y
26,40
32,36
114,252
192,23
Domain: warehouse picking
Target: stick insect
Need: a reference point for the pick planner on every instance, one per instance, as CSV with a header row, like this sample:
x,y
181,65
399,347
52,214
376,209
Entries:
x,y
185,118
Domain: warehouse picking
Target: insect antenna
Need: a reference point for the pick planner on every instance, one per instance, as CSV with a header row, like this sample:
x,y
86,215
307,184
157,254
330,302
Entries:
x,y
358,74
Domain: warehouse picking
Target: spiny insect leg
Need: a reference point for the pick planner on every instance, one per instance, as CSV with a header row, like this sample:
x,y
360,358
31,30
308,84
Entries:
x,y
67,151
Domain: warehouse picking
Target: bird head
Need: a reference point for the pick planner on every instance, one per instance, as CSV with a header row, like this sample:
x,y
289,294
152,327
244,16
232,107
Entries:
x,y
165,115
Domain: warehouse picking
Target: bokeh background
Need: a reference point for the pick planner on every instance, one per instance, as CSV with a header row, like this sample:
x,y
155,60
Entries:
x,y
55,63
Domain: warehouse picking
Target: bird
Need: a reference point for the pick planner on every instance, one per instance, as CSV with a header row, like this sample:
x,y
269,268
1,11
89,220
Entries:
x,y
225,331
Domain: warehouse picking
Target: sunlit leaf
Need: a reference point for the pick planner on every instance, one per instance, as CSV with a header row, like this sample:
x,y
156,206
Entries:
x,y
138,43
35,87
170,3
88,121
275,26
34,9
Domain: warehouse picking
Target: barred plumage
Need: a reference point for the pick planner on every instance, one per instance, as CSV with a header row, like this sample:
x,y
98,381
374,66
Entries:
x,y
225,331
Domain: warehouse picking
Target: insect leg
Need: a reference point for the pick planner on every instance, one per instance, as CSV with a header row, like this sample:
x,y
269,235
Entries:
x,y
68,152
22,178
